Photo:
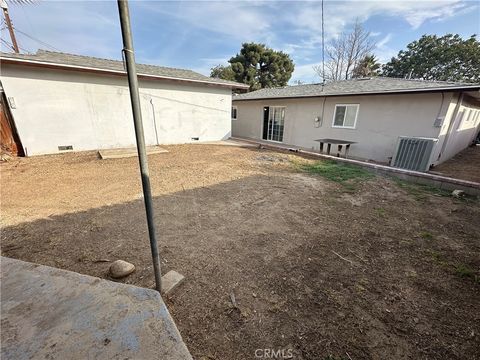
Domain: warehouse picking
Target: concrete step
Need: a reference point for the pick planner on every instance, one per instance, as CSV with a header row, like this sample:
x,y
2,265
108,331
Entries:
x,y
49,313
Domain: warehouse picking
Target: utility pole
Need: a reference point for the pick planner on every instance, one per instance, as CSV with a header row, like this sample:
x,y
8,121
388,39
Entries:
x,y
137,120
4,6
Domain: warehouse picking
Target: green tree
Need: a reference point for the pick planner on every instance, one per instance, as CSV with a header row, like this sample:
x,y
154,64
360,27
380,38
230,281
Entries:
x,y
258,66
222,72
368,66
448,58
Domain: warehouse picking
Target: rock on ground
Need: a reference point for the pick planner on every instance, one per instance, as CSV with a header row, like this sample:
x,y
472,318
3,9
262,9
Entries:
x,y
120,268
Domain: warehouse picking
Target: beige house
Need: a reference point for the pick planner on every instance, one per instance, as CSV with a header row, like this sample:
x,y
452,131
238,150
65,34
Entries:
x,y
373,114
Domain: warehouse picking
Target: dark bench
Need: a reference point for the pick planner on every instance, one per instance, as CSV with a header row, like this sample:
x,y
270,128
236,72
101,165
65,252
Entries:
x,y
339,143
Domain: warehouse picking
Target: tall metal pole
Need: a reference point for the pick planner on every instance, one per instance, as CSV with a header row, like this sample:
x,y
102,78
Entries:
x,y
323,51
4,6
137,120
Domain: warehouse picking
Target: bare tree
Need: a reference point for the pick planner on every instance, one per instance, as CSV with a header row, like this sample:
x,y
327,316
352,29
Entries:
x,y
345,52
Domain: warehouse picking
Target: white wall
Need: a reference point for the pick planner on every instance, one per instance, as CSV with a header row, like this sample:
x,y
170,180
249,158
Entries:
x,y
381,120
89,111
465,126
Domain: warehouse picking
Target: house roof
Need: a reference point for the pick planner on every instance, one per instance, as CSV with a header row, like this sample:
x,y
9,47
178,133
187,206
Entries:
x,y
361,86
88,63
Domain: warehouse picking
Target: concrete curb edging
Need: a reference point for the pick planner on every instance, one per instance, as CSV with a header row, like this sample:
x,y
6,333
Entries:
x,y
442,182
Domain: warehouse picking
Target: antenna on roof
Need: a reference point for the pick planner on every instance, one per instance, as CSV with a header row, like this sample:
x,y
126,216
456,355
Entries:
x,y
323,51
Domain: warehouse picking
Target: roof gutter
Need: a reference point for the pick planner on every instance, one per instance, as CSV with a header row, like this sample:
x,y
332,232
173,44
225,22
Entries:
x,y
115,72
386,92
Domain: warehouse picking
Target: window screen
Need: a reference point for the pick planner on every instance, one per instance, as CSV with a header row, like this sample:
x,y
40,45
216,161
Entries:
x,y
339,115
345,116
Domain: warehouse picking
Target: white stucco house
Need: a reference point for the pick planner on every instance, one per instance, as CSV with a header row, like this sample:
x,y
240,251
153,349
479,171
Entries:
x,y
412,123
61,102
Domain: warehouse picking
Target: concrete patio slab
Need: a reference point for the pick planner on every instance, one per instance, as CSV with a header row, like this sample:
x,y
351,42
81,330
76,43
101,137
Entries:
x,y
129,152
49,313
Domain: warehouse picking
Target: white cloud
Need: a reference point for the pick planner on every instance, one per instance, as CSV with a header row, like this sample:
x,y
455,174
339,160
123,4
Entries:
x,y
384,52
384,41
338,15
238,19
208,63
305,73
91,27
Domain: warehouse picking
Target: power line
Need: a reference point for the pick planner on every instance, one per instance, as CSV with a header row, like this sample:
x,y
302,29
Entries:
x,y
5,42
11,46
37,40
22,2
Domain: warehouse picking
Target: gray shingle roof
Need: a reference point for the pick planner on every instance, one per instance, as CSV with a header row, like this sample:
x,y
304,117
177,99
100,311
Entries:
x,y
52,57
372,85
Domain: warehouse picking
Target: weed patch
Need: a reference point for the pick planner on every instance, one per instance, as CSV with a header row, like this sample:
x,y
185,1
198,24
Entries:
x,y
380,212
426,235
463,270
345,174
420,191
438,258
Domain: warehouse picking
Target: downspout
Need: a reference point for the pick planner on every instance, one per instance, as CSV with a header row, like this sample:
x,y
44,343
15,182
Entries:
x,y
154,121
323,108
450,125
441,105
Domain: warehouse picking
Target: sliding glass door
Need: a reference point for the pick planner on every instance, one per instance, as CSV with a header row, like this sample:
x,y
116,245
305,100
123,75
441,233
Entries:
x,y
273,123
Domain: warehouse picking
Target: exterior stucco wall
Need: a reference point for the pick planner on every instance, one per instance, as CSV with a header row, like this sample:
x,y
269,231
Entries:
x,y
381,120
89,111
464,125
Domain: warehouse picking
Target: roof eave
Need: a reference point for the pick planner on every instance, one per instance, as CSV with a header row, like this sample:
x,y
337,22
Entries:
x,y
388,92
116,72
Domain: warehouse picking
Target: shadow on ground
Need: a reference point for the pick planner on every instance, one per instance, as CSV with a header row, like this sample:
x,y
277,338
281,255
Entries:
x,y
312,268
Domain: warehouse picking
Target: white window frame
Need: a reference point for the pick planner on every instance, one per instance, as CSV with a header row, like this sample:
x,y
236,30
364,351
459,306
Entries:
x,y
236,113
345,127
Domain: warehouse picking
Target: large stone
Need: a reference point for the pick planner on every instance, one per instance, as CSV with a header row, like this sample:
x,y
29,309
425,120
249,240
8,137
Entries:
x,y
458,193
120,268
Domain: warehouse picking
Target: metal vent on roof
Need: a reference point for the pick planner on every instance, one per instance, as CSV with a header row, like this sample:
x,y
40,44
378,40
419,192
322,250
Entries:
x,y
413,153
65,147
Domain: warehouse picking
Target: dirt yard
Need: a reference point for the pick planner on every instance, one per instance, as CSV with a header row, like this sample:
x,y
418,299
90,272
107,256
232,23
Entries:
x,y
465,165
319,266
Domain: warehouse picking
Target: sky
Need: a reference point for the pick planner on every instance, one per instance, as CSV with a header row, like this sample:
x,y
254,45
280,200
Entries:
x,y
198,35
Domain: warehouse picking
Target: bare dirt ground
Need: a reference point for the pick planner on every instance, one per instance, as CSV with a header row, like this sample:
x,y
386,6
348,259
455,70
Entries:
x,y
465,165
374,270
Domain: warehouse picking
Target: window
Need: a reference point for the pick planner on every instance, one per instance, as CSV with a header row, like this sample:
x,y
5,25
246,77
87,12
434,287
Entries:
x,y
273,123
234,113
345,116
462,117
